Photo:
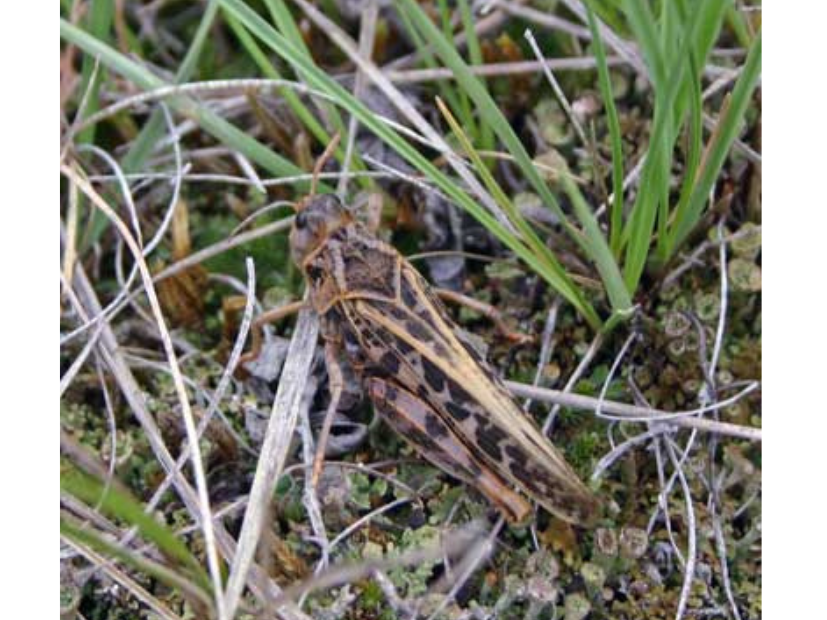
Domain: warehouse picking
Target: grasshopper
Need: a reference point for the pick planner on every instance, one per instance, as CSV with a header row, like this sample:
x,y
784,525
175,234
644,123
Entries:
x,y
424,377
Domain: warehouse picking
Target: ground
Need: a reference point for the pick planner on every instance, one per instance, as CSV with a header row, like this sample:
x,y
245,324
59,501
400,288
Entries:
x,y
384,534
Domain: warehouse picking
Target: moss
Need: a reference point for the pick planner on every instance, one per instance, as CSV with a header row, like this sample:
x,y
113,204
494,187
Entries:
x,y
366,492
413,580
613,572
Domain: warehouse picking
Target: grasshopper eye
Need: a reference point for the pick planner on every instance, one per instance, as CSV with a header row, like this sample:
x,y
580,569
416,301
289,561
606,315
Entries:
x,y
301,219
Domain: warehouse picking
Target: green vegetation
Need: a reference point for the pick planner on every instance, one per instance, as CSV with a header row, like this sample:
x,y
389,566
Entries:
x,y
607,219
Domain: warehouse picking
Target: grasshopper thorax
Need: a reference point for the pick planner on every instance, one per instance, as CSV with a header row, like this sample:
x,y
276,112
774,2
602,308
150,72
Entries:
x,y
318,217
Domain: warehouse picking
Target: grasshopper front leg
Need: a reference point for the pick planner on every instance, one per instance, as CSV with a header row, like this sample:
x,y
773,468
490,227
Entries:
x,y
256,328
432,437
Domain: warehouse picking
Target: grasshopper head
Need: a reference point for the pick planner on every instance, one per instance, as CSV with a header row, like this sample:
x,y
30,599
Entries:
x,y
318,217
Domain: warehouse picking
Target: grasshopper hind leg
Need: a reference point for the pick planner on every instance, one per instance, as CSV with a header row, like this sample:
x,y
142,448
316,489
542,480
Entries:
x,y
416,421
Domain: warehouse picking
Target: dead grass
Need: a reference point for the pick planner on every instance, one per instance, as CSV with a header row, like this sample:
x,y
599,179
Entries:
x,y
667,424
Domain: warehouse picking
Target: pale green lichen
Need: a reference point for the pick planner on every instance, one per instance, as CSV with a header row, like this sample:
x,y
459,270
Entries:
x,y
594,576
676,349
708,307
744,275
413,580
633,542
554,127
747,244
576,607
675,324
363,489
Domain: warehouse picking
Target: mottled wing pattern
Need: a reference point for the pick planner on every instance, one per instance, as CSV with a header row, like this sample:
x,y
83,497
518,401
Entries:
x,y
415,420
394,328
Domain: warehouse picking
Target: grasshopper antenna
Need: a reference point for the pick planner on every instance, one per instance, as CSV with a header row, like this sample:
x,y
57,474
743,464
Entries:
x,y
327,154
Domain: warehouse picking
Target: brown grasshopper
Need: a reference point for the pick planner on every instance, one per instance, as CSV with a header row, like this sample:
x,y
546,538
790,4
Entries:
x,y
424,377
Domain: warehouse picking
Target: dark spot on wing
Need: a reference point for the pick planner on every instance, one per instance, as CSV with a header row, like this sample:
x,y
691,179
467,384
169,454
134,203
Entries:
x,y
380,333
381,393
489,438
409,431
434,426
520,472
553,485
538,480
515,454
414,435
396,312
439,349
425,314
433,375
425,444
389,363
391,340
492,450
314,272
458,395
418,330
408,296
391,393
403,346
457,412
371,340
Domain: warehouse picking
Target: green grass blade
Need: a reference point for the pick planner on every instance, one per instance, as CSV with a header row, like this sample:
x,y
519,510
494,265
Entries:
x,y
285,23
464,107
211,122
615,137
148,137
269,70
119,505
654,188
657,52
90,538
320,80
739,26
712,13
502,199
643,25
485,133
693,159
302,112
708,16
457,100
153,129
101,13
488,179
591,239
717,150
670,26
488,110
